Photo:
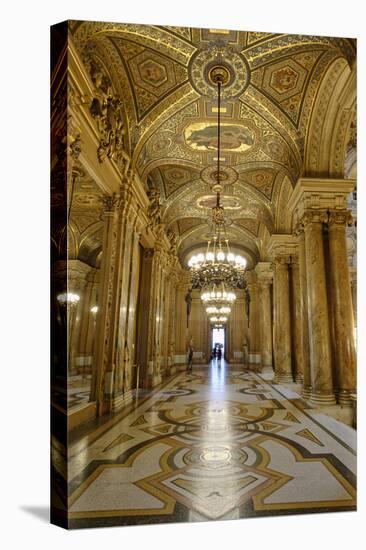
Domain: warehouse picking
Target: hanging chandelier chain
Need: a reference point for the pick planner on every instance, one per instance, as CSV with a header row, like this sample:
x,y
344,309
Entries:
x,y
219,271
218,138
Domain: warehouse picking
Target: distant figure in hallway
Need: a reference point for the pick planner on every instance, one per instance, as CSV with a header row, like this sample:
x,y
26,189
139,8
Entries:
x,y
219,356
190,356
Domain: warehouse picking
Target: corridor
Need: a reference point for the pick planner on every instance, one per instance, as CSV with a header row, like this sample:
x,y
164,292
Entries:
x,y
218,443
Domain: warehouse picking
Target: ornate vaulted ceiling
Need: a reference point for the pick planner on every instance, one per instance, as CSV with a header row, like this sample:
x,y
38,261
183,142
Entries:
x,y
170,106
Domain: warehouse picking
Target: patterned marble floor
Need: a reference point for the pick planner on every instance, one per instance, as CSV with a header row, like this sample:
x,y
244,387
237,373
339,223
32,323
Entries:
x,y
77,393
217,443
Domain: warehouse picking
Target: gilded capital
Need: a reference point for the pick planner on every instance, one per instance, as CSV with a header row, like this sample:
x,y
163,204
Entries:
x,y
340,218
281,262
314,216
110,202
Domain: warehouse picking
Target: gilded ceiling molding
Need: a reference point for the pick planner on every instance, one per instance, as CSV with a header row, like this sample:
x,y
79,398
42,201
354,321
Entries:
x,y
318,142
248,188
277,187
283,218
174,178
158,140
344,136
182,32
279,45
176,101
189,164
315,79
272,120
156,38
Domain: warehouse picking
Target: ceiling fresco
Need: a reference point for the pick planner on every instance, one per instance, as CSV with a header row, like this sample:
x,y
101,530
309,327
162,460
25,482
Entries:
x,y
170,105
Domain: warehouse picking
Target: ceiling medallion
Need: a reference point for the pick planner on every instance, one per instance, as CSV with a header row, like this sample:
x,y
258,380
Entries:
x,y
216,64
226,176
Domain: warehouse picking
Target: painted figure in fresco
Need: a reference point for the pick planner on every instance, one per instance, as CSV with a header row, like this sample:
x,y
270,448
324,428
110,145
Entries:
x,y
232,137
188,300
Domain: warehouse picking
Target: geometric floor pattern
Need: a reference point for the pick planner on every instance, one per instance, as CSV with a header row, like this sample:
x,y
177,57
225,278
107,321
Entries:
x,y
217,443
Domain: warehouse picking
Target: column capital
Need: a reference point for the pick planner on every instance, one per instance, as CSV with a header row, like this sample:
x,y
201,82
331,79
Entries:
x,y
295,261
110,203
264,272
281,262
313,216
282,245
340,218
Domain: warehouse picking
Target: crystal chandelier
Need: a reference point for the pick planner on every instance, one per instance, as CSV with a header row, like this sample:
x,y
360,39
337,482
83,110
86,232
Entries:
x,y
218,271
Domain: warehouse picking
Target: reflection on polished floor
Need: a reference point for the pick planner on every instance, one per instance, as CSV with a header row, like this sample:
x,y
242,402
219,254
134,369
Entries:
x,y
217,443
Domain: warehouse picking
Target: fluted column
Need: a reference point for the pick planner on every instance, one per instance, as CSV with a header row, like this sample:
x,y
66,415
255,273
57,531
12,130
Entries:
x,y
342,306
266,322
319,335
305,351
282,327
297,358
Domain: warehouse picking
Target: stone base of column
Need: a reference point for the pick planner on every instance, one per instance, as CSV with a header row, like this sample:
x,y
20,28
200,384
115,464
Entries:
x,y
267,369
322,399
283,378
299,378
306,392
121,401
344,398
172,370
156,380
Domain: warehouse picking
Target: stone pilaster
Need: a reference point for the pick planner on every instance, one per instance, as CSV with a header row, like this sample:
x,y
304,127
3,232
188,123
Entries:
x,y
319,335
342,306
282,327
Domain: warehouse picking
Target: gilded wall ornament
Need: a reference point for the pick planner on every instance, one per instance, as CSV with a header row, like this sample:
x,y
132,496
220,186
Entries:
x,y
106,109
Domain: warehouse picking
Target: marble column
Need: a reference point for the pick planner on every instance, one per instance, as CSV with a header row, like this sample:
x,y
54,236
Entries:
x,y
88,319
144,324
103,328
297,358
304,332
319,335
265,323
342,306
172,314
254,327
353,280
282,327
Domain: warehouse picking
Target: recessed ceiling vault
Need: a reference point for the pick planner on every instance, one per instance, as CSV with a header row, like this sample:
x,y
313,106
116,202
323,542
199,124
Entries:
x,y
170,108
